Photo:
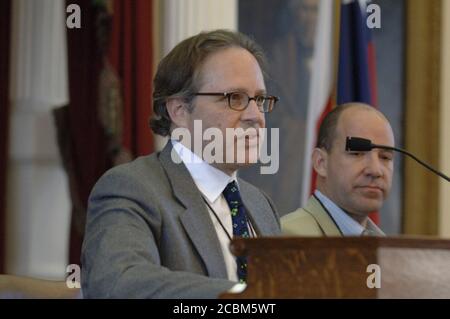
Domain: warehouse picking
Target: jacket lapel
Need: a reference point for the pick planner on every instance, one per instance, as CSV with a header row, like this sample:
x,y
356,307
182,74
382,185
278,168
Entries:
x,y
322,217
263,220
195,219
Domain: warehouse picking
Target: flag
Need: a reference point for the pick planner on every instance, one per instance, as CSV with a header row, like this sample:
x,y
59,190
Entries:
x,y
356,69
356,73
356,76
320,90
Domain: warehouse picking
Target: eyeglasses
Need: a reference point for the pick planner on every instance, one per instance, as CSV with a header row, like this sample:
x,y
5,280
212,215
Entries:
x,y
239,101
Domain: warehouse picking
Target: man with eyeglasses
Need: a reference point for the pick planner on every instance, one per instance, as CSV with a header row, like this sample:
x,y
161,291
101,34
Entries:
x,y
160,226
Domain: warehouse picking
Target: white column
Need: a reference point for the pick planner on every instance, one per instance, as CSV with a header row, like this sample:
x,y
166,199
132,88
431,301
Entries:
x,y
185,18
38,212
444,187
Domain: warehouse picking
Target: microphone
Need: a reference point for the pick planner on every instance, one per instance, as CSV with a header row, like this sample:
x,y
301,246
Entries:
x,y
358,144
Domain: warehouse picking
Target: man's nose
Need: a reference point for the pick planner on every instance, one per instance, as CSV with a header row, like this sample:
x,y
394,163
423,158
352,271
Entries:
x,y
374,166
253,114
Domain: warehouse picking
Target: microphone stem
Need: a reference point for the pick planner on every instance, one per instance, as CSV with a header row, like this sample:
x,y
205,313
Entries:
x,y
413,157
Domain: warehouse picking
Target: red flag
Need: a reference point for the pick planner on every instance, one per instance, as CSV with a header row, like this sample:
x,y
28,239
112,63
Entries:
x,y
321,89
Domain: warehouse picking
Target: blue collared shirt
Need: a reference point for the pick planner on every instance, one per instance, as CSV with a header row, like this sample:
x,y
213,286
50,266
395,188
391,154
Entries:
x,y
347,225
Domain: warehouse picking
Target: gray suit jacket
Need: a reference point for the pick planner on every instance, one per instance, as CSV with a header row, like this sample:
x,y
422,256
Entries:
x,y
149,234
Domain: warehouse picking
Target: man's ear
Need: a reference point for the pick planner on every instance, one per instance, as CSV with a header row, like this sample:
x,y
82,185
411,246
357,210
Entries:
x,y
320,161
178,112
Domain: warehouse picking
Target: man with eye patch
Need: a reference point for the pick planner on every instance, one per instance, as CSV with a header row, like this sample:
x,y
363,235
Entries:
x,y
350,185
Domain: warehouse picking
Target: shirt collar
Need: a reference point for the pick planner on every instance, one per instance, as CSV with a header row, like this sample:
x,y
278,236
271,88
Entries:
x,y
347,225
210,181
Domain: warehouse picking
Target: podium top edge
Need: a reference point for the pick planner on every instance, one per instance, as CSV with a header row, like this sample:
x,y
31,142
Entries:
x,y
263,243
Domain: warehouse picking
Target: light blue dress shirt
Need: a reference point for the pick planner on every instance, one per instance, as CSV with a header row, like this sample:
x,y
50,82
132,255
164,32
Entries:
x,y
347,225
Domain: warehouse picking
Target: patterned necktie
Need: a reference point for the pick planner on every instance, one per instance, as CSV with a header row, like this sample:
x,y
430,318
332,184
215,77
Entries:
x,y
239,220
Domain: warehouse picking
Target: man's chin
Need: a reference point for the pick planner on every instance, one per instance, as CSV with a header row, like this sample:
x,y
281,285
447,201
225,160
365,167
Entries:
x,y
368,206
371,192
238,165
249,154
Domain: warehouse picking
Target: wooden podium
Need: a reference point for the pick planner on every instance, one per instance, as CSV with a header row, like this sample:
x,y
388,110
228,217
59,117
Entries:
x,y
332,267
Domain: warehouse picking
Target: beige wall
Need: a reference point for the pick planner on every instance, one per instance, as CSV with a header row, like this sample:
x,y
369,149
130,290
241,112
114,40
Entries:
x,y
444,187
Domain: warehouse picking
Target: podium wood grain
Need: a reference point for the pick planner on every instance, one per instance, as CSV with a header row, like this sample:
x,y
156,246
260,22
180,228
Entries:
x,y
294,267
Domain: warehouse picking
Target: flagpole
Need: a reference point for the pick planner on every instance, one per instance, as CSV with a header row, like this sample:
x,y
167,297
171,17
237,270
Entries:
x,y
336,40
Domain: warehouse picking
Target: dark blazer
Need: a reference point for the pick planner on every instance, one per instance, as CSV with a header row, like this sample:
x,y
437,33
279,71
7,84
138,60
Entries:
x,y
149,233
